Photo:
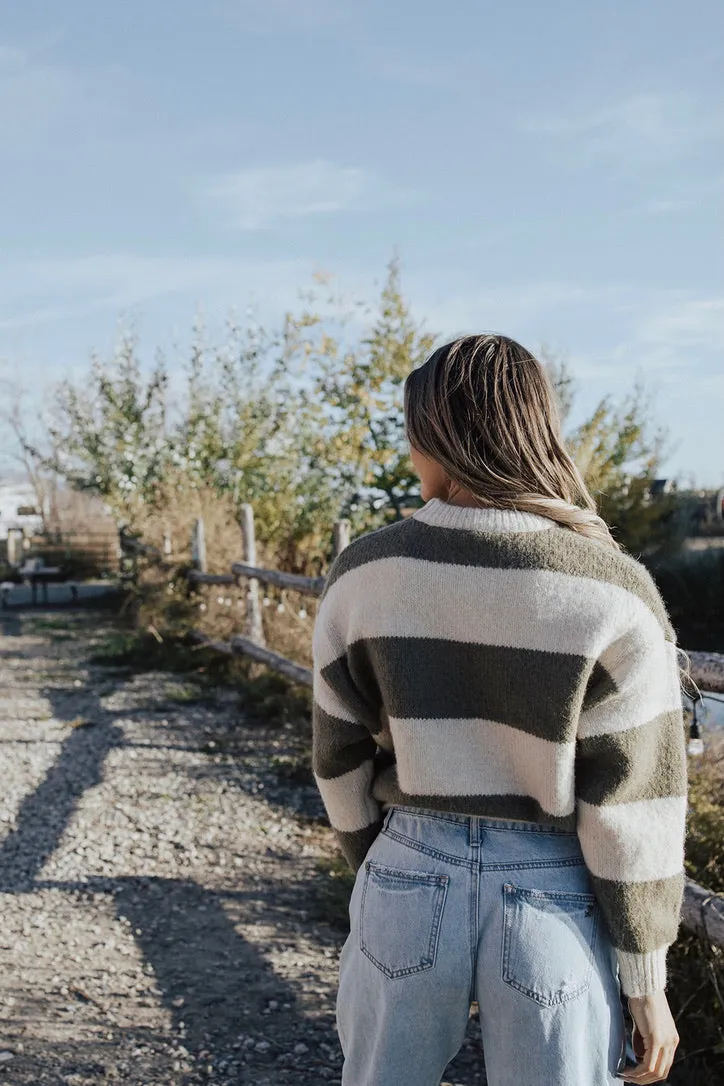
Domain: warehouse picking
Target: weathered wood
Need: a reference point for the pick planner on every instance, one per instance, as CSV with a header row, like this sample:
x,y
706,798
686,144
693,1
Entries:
x,y
342,532
198,546
312,586
15,543
211,578
128,545
254,624
203,641
703,912
242,646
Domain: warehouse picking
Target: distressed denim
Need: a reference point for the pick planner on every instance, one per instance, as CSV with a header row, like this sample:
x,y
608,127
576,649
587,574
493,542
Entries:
x,y
449,909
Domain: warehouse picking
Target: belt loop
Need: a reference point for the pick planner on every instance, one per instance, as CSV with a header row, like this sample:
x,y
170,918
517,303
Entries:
x,y
474,831
387,817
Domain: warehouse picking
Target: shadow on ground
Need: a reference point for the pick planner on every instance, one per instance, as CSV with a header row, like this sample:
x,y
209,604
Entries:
x,y
233,1016
213,983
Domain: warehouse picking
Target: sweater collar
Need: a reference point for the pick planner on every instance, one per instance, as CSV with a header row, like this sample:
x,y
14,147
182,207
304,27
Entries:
x,y
441,514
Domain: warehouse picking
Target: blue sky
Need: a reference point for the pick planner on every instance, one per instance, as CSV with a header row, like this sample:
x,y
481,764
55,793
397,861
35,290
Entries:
x,y
553,171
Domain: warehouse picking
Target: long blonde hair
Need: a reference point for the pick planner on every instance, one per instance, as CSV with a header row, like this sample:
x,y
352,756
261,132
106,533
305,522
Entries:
x,y
484,409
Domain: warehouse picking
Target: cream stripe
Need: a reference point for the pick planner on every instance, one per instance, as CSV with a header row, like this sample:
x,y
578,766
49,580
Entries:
x,y
328,635
634,842
491,519
482,757
526,609
348,799
327,700
647,678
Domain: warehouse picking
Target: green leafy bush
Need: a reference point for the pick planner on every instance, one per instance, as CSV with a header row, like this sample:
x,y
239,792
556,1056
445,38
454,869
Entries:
x,y
692,585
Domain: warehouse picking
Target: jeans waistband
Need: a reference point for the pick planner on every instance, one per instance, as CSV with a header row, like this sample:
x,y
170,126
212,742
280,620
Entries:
x,y
479,820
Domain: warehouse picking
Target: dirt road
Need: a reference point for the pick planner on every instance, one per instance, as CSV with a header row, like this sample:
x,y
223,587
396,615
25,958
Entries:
x,y
162,905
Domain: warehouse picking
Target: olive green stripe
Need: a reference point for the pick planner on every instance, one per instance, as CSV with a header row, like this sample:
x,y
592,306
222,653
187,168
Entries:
x,y
355,845
641,916
386,789
429,678
338,745
648,762
558,550
599,687
356,690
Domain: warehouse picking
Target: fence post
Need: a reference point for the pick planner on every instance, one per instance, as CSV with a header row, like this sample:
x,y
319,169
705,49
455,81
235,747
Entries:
x,y
254,627
198,546
15,546
167,548
341,535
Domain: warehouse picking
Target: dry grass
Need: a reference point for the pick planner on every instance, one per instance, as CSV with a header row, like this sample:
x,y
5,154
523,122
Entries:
x,y
164,603
705,842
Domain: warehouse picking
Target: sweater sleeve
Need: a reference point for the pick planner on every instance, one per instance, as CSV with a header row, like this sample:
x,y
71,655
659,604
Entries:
x,y
631,794
343,747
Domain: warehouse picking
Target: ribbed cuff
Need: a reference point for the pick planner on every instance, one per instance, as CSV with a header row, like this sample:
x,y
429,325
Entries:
x,y
642,974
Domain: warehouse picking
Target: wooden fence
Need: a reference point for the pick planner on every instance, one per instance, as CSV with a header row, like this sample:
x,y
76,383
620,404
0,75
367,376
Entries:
x,y
702,911
80,555
252,643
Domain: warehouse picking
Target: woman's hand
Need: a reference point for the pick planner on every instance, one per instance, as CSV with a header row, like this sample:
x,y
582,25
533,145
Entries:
x,y
654,1038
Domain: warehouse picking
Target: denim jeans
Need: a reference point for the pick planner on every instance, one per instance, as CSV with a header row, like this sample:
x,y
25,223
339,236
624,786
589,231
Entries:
x,y
449,909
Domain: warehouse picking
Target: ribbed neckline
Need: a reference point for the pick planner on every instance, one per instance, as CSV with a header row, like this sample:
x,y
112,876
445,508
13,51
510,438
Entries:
x,y
443,515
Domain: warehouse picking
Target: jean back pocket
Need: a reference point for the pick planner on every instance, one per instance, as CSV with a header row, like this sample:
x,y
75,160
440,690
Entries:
x,y
549,941
400,918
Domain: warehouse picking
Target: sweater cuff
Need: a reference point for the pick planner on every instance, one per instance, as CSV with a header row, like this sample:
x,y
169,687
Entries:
x,y
642,974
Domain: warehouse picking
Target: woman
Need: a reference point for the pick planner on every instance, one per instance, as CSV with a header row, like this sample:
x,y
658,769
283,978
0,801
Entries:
x,y
499,744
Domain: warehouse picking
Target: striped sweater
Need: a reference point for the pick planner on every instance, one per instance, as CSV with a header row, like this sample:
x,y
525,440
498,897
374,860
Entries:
x,y
491,662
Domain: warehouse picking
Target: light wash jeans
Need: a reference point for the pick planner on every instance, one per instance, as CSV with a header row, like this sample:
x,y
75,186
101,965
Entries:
x,y
449,909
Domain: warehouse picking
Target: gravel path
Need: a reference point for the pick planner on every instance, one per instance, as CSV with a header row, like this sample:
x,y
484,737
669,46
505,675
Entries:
x,y
163,910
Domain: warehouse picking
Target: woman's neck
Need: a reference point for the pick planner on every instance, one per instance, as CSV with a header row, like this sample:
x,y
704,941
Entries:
x,y
466,499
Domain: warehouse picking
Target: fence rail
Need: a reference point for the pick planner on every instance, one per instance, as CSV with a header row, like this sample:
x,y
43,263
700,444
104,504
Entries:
x,y
244,646
702,911
311,586
197,577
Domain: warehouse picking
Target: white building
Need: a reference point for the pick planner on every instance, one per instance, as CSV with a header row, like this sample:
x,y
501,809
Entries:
x,y
18,508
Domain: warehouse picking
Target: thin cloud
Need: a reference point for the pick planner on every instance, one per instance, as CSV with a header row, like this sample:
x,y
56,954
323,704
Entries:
x,y
646,129
685,323
400,66
672,339
691,194
669,207
42,291
669,336
504,308
258,198
42,99
33,94
304,13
